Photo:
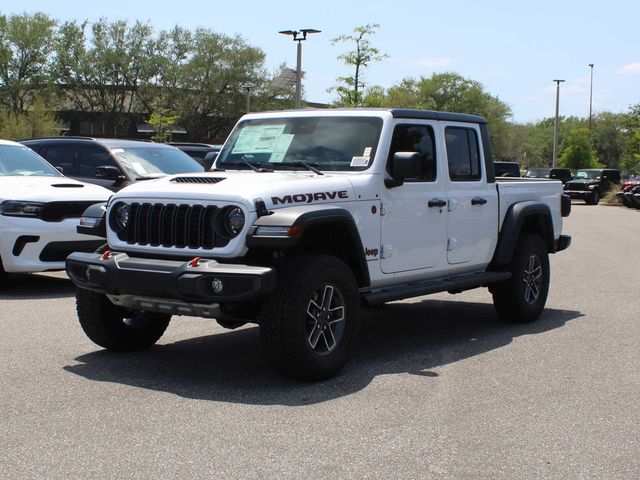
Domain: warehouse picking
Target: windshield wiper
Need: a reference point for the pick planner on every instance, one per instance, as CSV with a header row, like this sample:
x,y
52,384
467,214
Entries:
x,y
301,163
248,164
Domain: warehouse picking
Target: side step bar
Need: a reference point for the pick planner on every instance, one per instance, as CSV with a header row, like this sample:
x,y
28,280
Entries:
x,y
451,284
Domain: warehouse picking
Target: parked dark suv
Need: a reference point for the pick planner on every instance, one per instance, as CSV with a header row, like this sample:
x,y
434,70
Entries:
x,y
562,174
506,169
591,184
203,153
112,163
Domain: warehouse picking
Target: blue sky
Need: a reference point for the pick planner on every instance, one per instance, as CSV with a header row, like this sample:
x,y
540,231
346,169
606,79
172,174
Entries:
x,y
514,50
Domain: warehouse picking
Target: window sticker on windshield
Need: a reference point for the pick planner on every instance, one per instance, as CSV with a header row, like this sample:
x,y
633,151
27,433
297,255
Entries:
x,y
258,139
139,168
367,152
117,150
360,161
281,148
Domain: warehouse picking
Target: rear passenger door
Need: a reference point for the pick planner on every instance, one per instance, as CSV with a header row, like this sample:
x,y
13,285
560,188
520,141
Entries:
x,y
472,203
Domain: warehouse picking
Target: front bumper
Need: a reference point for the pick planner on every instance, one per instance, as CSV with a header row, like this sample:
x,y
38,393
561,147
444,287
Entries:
x,y
203,282
579,194
32,245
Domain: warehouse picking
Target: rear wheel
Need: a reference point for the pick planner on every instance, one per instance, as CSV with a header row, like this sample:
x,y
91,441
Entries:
x,y
521,299
308,326
116,328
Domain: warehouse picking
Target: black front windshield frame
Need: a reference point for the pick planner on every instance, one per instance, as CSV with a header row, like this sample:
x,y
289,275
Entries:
x,y
324,142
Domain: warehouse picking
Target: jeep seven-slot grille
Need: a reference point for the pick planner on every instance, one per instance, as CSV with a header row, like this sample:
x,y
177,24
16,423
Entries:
x,y
171,225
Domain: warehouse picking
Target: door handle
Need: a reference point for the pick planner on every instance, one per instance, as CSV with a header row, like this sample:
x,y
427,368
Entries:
x,y
478,201
436,202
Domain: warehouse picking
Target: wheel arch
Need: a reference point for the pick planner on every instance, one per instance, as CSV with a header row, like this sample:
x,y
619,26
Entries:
x,y
523,217
319,229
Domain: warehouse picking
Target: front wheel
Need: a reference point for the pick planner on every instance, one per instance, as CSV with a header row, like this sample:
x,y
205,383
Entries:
x,y
521,299
308,326
116,328
593,199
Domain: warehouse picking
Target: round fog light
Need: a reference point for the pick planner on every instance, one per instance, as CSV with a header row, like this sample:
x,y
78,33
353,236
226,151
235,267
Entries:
x,y
217,285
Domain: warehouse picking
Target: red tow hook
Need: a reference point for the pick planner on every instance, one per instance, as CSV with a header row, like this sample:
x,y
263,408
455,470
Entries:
x,y
106,255
194,262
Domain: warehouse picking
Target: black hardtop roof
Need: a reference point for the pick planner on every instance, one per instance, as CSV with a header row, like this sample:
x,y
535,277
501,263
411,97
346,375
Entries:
x,y
405,113
107,142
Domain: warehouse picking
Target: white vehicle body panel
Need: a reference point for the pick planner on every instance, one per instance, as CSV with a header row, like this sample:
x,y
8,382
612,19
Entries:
x,y
41,189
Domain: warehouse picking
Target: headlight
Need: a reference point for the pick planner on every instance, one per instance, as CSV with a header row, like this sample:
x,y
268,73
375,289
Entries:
x,y
120,216
591,187
13,208
234,220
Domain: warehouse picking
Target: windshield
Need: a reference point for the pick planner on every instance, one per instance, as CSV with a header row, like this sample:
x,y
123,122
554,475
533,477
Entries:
x,y
22,161
150,162
537,173
590,174
326,143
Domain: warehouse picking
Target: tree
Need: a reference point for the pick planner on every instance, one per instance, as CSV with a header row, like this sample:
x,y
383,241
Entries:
x,y
26,42
631,155
103,73
37,122
163,120
608,138
449,92
351,91
577,151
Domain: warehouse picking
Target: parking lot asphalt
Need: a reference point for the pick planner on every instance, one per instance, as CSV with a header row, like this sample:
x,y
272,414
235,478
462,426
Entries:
x,y
438,387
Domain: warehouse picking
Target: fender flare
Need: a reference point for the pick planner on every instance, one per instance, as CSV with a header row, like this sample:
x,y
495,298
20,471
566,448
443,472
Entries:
x,y
299,219
99,229
512,226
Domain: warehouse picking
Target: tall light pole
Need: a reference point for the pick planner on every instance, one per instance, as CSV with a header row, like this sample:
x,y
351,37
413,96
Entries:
x,y
299,36
248,88
590,96
555,127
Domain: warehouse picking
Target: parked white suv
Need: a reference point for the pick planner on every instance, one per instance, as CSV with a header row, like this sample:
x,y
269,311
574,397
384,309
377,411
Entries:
x,y
39,211
306,215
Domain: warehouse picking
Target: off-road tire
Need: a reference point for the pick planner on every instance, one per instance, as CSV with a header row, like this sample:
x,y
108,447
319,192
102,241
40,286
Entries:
x,y
289,322
521,299
116,328
593,199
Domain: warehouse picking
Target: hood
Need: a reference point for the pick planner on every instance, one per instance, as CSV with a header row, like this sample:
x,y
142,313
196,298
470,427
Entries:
x,y
581,182
276,189
49,189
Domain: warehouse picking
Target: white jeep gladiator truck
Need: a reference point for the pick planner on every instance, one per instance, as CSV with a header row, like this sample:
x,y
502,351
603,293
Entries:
x,y
306,216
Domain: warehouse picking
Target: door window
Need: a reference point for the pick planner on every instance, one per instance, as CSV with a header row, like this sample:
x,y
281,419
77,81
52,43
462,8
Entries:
x,y
62,156
91,158
415,138
463,154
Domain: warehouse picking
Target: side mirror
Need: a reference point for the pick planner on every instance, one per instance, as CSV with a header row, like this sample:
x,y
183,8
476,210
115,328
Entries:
x,y
404,165
209,158
108,172
60,169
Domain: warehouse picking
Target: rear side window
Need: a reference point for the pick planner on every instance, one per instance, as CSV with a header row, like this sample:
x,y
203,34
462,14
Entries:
x,y
92,157
463,153
62,156
415,138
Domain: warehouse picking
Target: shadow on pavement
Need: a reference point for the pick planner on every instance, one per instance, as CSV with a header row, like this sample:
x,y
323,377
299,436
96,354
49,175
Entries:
x,y
34,286
397,338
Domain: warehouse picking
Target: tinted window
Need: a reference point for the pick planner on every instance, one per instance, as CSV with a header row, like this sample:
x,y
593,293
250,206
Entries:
x,y
62,156
416,138
463,153
24,162
150,162
92,157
